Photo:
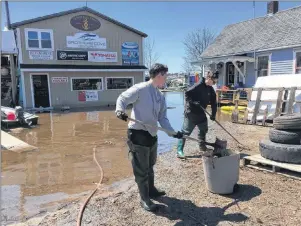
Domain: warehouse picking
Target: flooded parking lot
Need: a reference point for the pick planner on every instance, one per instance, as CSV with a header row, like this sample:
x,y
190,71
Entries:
x,y
63,167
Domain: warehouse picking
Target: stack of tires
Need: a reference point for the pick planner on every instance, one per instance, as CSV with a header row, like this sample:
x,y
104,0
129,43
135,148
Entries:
x,y
284,144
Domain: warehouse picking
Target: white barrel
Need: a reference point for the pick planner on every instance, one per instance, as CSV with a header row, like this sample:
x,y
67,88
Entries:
x,y
221,174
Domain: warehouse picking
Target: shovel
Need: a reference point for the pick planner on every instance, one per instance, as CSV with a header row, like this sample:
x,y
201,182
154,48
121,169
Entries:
x,y
218,145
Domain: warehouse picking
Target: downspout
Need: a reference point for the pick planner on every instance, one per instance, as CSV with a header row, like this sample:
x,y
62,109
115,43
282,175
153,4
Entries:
x,y
254,42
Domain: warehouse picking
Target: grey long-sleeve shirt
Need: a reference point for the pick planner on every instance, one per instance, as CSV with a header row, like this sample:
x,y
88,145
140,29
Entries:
x,y
149,106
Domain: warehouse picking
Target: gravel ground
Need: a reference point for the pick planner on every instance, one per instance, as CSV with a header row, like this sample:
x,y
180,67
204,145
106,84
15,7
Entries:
x,y
261,199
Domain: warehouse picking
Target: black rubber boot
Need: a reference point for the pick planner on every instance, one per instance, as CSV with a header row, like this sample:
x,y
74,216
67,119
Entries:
x,y
145,201
153,191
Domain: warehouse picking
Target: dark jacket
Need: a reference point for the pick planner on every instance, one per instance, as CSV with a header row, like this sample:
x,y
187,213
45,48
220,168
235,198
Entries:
x,y
199,94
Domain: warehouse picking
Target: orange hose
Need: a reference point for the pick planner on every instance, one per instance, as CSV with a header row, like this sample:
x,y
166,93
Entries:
x,y
80,215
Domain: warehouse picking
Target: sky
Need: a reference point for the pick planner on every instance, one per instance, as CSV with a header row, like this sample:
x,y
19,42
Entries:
x,y
168,23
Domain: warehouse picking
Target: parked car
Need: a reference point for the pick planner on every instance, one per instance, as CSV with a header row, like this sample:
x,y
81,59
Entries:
x,y
16,116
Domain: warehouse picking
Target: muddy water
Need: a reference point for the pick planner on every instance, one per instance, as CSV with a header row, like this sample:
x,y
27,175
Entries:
x,y
63,168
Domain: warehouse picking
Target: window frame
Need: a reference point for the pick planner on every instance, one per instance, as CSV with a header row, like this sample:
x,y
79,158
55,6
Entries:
x,y
39,31
133,80
102,85
295,61
269,55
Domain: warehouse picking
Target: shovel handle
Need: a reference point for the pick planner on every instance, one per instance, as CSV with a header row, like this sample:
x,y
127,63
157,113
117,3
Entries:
x,y
160,128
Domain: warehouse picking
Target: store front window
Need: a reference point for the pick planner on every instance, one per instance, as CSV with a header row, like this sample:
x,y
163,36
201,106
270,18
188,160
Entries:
x,y
119,83
87,84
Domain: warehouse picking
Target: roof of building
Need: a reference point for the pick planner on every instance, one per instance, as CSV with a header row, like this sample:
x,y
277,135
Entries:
x,y
86,9
8,43
281,30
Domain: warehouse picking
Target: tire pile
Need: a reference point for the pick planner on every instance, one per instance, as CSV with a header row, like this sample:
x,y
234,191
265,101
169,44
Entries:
x,y
284,144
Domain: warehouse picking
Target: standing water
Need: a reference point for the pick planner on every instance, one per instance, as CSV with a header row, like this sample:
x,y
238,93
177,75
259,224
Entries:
x,y
63,168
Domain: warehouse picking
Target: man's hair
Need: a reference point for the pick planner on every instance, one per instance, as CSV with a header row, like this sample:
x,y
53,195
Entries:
x,y
212,75
157,69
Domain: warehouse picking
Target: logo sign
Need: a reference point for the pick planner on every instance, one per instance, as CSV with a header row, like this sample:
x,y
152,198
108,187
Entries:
x,y
72,55
59,79
130,53
40,55
85,23
86,40
100,56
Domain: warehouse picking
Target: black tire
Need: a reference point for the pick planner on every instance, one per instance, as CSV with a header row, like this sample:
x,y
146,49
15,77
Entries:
x,y
280,152
285,137
290,122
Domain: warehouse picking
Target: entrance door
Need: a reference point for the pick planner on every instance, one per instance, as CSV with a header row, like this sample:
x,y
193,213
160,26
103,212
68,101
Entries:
x,y
230,74
40,91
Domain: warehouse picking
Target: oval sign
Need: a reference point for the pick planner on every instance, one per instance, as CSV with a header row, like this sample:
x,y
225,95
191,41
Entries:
x,y
130,45
85,23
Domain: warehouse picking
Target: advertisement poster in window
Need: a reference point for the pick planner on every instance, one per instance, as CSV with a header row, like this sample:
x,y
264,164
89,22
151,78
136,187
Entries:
x,y
130,53
40,55
100,56
86,41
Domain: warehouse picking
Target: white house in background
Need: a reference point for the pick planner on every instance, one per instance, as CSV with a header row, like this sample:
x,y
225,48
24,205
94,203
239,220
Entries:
x,y
272,42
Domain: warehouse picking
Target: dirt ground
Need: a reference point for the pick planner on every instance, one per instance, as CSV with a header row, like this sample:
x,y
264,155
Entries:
x,y
261,199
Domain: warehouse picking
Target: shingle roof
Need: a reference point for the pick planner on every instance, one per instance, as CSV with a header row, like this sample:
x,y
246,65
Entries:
x,y
87,9
282,29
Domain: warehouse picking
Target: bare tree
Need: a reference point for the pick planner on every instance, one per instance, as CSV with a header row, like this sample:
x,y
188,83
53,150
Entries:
x,y
150,54
195,43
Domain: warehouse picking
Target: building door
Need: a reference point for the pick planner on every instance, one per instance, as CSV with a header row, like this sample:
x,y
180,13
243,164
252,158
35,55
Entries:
x,y
40,91
230,74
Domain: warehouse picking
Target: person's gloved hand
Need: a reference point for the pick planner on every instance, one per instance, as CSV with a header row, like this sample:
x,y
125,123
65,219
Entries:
x,y
212,118
178,135
121,115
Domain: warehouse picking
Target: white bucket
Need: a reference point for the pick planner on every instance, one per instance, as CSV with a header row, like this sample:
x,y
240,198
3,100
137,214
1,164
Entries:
x,y
221,174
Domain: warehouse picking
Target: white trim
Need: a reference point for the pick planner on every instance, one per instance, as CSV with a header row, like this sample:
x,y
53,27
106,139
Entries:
x,y
81,70
119,77
23,90
19,46
32,93
102,85
294,59
39,38
269,63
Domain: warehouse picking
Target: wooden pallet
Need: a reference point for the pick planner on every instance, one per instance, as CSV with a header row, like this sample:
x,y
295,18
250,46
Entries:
x,y
285,169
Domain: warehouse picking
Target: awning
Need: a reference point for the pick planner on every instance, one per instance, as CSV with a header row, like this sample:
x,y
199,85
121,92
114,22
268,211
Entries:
x,y
8,45
222,60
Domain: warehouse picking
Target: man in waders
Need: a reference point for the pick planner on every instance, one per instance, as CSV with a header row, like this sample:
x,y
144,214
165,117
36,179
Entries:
x,y
200,94
149,106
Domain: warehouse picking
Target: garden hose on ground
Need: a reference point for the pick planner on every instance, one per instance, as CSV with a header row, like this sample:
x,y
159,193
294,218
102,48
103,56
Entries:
x,y
80,215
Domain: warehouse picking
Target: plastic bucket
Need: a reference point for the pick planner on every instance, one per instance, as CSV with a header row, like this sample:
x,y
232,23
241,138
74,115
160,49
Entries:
x,y
221,174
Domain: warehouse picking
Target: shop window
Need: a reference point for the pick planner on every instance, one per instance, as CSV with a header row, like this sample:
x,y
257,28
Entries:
x,y
86,84
119,83
39,39
263,66
298,63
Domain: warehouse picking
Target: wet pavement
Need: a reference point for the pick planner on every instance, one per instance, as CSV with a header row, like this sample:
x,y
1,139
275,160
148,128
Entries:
x,y
63,167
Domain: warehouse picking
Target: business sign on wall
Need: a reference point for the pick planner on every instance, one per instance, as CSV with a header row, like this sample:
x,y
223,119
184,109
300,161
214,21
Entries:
x,y
59,79
100,56
85,23
40,55
130,53
88,96
72,55
86,40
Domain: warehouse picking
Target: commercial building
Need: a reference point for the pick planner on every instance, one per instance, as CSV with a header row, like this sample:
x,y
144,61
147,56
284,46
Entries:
x,y
77,58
